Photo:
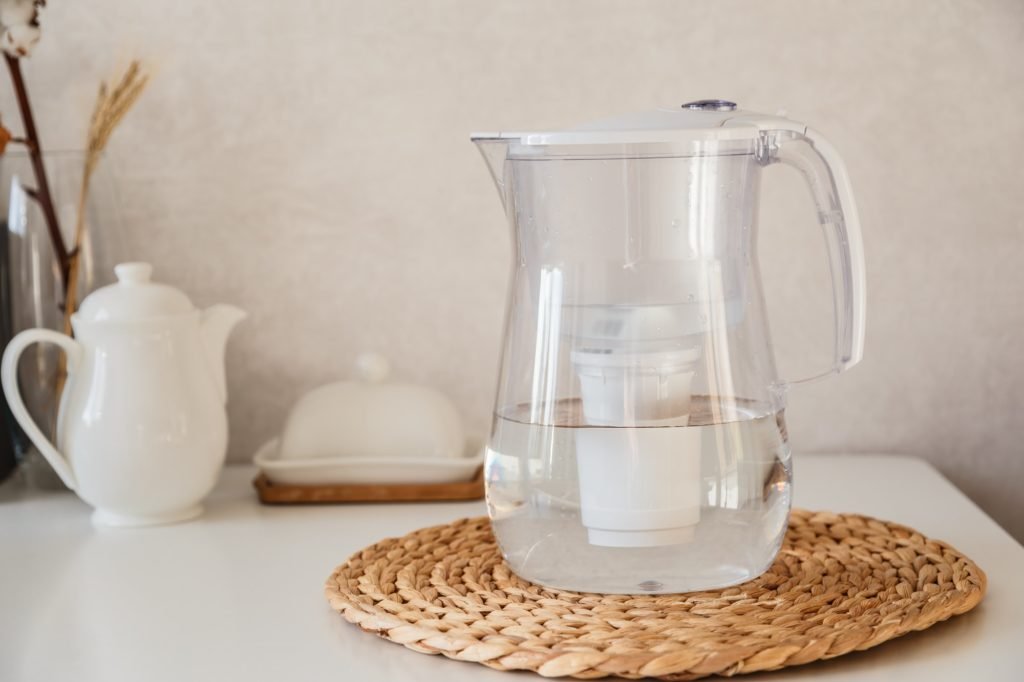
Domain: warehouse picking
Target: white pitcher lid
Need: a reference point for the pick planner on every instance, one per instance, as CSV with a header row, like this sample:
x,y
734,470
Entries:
x,y
701,120
133,297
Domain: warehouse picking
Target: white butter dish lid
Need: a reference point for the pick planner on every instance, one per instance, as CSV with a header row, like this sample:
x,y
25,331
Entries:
x,y
371,417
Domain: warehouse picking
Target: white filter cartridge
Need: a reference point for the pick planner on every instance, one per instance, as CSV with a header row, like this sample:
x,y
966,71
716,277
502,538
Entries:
x,y
638,460
639,487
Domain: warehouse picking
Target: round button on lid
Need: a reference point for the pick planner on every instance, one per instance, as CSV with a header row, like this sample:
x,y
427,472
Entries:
x,y
133,273
711,105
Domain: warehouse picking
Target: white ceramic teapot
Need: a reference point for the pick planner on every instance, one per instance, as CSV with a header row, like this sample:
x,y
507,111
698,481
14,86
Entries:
x,y
142,430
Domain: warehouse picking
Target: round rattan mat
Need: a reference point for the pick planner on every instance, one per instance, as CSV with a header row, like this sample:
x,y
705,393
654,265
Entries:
x,y
841,583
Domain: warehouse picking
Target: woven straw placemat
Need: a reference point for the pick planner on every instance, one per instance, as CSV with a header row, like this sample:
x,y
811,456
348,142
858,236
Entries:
x,y
841,583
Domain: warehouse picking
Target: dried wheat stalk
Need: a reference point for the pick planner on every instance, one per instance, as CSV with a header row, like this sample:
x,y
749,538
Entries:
x,y
111,106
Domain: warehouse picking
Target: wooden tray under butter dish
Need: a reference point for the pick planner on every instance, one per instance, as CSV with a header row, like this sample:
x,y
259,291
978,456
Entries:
x,y
278,493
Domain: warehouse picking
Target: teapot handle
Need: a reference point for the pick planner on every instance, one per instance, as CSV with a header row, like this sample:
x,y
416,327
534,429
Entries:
x,y
807,151
9,379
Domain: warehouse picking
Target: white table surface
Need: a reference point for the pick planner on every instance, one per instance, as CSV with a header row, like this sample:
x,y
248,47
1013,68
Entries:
x,y
237,594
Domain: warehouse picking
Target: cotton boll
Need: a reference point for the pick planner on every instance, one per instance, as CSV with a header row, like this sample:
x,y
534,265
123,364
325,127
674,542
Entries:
x,y
18,41
17,12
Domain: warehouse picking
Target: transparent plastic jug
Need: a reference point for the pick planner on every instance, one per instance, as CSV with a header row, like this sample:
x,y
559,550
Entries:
x,y
639,438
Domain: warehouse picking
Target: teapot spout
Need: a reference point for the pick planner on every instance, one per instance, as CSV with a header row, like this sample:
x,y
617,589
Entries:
x,y
494,149
216,324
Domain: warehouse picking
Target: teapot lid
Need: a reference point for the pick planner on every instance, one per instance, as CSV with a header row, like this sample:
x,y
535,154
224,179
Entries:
x,y
706,119
133,297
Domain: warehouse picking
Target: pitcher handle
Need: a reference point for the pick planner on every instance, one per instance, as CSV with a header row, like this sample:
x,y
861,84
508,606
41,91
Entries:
x,y
817,160
9,379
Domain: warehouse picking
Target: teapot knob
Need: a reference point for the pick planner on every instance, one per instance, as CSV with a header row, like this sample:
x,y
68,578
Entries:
x,y
133,273
372,368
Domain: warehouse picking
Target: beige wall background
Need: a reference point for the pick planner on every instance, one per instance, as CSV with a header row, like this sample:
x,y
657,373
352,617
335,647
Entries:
x,y
309,161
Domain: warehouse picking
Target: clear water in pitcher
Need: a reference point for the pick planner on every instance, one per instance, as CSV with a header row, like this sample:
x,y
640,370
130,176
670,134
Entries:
x,y
726,476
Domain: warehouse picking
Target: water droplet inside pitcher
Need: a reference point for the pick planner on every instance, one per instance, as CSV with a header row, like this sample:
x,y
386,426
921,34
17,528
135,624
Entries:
x,y
650,586
690,298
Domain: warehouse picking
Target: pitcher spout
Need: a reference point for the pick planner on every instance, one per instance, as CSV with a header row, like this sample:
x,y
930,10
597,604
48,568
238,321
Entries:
x,y
216,325
494,149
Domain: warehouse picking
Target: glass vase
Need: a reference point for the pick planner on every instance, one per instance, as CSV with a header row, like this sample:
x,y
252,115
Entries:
x,y
31,294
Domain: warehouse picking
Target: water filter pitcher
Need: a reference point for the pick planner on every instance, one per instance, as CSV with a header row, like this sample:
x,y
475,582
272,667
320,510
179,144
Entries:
x,y
639,440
